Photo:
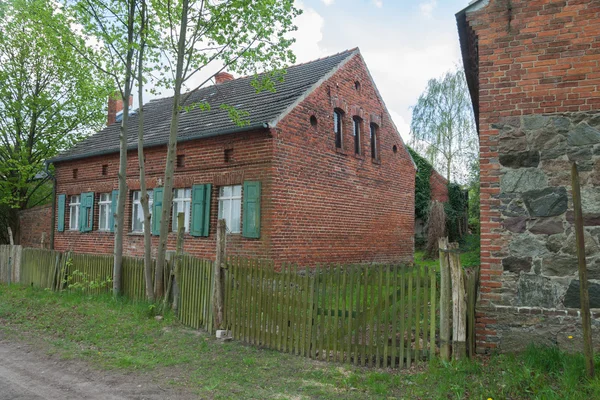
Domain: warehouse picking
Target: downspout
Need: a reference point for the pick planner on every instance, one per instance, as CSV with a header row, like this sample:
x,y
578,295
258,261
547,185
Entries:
x,y
53,218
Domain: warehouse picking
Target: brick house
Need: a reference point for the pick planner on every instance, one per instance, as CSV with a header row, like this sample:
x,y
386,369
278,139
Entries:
x,y
319,174
532,71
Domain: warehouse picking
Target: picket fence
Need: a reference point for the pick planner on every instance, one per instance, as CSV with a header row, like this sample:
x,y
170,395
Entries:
x,y
375,315
370,315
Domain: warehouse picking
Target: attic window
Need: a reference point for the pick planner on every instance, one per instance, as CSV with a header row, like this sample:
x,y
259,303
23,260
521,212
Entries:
x,y
228,155
357,86
74,173
313,121
105,169
180,161
395,149
337,127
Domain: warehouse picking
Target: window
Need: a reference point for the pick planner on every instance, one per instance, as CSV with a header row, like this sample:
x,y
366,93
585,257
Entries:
x,y
374,144
228,155
357,86
230,206
104,213
182,199
137,216
181,161
337,127
356,124
75,173
105,169
74,204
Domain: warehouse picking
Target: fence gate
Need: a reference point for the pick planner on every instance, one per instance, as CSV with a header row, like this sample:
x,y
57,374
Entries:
x,y
376,315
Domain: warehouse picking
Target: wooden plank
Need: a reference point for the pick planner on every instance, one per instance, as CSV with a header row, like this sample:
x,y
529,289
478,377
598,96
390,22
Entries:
x,y
425,280
364,316
417,313
315,305
329,316
336,318
386,316
410,321
356,327
433,285
351,273
394,312
321,317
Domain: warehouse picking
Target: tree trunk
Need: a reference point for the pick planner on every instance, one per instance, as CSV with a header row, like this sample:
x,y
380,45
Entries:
x,y
217,281
120,216
144,192
171,154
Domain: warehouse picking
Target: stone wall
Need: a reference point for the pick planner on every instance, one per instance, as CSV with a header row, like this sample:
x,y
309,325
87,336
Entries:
x,y
535,154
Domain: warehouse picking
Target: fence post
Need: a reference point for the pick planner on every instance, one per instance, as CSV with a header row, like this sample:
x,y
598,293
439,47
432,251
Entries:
x,y
217,281
444,300
459,326
583,283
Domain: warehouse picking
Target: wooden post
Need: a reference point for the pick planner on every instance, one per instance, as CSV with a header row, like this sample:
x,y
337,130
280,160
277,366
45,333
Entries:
x,y
175,260
219,260
178,260
10,237
459,311
43,241
586,324
444,299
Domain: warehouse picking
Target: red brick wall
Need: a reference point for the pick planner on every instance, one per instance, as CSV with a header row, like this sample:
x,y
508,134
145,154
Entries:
x,y
334,205
534,57
317,205
439,187
33,222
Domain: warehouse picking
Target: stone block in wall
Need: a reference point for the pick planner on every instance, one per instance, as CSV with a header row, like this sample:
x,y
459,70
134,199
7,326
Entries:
x,y
538,291
546,202
523,180
572,299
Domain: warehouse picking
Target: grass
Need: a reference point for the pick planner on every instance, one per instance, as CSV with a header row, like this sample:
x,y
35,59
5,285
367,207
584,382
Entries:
x,y
124,336
469,254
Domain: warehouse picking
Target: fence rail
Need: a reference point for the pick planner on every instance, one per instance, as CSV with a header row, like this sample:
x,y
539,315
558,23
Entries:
x,y
382,315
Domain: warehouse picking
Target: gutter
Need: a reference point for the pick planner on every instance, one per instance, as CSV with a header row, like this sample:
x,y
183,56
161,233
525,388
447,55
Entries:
x,y
53,218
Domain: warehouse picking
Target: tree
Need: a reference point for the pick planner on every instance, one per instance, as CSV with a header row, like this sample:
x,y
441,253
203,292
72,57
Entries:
x,y
113,27
243,36
49,99
443,126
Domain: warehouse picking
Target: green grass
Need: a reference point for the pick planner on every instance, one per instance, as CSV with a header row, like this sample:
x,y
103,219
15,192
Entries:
x,y
469,254
123,336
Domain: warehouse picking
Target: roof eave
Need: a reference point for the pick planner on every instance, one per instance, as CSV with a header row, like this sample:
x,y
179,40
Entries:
x,y
256,126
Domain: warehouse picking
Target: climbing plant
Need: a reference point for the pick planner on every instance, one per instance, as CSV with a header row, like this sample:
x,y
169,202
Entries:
x,y
456,212
422,185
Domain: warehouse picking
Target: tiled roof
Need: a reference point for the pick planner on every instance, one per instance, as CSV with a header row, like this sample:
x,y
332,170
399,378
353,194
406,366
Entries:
x,y
264,108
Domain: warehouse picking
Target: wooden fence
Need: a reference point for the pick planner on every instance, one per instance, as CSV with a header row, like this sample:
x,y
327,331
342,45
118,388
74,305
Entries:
x,y
10,263
196,287
375,315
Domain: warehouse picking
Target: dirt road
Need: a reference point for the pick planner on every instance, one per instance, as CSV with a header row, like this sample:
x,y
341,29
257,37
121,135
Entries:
x,y
28,373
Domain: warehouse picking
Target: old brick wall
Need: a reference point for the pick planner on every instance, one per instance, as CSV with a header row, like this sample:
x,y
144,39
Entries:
x,y
539,100
333,204
439,187
34,223
204,163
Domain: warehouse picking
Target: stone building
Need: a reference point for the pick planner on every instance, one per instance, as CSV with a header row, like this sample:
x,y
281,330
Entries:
x,y
533,73
318,174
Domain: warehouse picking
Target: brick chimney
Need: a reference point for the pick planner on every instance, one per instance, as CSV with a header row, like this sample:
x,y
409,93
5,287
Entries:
x,y
115,106
223,77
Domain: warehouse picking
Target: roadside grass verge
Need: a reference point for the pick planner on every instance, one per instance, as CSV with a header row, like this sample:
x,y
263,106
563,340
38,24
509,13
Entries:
x,y
124,336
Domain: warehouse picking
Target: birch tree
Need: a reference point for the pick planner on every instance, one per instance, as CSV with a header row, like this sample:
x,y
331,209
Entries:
x,y
244,36
443,126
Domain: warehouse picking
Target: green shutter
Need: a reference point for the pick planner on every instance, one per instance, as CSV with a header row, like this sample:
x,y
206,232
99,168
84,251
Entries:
x,y
251,222
61,212
201,210
113,210
86,212
157,210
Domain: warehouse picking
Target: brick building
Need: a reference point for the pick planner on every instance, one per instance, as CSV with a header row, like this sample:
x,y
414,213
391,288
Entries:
x,y
36,225
533,74
319,173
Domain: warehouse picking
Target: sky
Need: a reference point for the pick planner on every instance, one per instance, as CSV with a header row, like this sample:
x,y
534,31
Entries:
x,y
404,43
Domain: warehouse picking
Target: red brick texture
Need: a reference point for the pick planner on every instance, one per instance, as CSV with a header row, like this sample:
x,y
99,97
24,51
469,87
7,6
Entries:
x,y
439,187
318,203
34,222
534,57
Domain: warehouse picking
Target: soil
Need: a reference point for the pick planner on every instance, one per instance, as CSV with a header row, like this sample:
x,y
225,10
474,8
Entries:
x,y
27,372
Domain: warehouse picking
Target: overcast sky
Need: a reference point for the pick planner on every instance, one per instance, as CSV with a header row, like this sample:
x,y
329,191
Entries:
x,y
405,43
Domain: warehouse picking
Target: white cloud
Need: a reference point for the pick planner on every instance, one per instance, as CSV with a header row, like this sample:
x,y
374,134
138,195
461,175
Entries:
x,y
402,125
309,35
378,3
428,7
328,2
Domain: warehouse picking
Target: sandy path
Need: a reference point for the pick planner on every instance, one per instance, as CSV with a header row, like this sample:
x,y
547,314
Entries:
x,y
27,373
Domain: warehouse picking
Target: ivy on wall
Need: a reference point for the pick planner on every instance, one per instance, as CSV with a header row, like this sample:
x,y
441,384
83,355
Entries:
x,y
422,185
456,212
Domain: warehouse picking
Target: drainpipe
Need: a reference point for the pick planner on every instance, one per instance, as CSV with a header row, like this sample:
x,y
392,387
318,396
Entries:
x,y
53,218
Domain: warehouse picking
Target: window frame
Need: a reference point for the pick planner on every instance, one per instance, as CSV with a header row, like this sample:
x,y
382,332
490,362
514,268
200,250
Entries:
x,y
338,128
374,128
185,200
220,207
77,207
356,133
137,205
105,205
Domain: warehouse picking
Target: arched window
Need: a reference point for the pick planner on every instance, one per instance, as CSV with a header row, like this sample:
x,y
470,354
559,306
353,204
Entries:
x,y
374,142
337,127
356,133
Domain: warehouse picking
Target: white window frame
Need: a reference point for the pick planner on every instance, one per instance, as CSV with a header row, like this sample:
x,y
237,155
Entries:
x,y
104,206
228,218
136,206
356,123
74,207
182,200
338,127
